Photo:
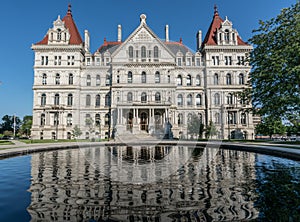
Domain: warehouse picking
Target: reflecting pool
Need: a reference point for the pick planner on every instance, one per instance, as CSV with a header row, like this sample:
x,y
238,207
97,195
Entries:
x,y
151,183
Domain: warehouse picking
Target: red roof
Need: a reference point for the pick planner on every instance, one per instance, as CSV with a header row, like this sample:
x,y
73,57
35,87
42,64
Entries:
x,y
106,45
75,38
210,38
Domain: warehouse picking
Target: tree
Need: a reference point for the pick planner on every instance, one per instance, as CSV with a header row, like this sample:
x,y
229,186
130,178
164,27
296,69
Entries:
x,y
76,132
211,130
270,126
275,60
8,123
195,126
25,128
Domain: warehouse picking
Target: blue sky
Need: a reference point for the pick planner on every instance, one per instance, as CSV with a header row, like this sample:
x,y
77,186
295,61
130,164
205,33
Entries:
x,y
26,22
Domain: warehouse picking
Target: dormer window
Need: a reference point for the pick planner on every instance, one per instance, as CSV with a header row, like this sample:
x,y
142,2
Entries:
x,y
130,52
226,36
155,53
58,35
143,53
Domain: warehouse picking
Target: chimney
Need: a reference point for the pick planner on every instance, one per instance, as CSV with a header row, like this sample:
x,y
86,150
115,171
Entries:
x,y
167,33
199,39
86,40
119,33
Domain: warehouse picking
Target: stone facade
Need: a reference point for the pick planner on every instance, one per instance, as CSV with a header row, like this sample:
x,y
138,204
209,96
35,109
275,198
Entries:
x,y
138,85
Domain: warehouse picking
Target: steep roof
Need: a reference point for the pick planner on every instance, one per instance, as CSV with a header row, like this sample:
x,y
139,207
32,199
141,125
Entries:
x,y
75,38
177,47
110,46
210,38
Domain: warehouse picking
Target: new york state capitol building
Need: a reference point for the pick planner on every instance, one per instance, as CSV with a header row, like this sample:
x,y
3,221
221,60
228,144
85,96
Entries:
x,y
138,84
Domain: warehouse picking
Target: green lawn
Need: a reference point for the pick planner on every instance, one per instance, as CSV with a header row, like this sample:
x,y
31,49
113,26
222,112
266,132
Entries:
x,y
5,142
56,141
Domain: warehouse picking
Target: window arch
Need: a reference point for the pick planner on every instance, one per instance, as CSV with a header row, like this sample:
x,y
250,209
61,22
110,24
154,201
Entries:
x,y
57,79
180,119
107,119
69,119
198,80
157,77
70,100
44,79
216,79
107,80
217,99
107,99
157,97
179,80
56,99
130,52
189,80
43,99
189,100
98,81
198,100
243,118
88,100
226,36
97,102
179,100
228,79
229,98
71,79
241,79
217,118
58,34
155,49
129,97
129,77
97,119
43,119
143,53
144,77
144,97
88,80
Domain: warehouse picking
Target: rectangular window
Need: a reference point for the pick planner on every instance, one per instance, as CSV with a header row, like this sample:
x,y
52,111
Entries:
x,y
88,61
179,61
188,62
98,61
107,61
216,60
71,60
197,61
241,60
169,79
42,60
57,60
228,60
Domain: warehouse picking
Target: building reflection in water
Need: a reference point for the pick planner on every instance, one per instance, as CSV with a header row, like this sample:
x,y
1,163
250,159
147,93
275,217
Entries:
x,y
142,184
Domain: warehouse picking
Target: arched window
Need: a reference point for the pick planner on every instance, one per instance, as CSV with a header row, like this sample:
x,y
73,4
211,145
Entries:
x,y
130,52
198,80
56,99
57,79
188,80
179,100
43,119
243,118
88,80
43,99
129,77
107,119
228,79
129,97
226,36
217,99
69,119
107,99
189,100
97,102
216,79
198,100
241,79
88,120
107,80
88,100
179,80
144,77
70,100
143,53
98,80
71,79
155,52
180,119
229,98
144,97
157,97
200,117
58,34
44,80
217,118
157,77
97,119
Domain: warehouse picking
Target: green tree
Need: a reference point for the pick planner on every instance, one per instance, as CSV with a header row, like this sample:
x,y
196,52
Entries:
x,y
211,130
76,132
275,60
25,128
8,123
195,126
270,126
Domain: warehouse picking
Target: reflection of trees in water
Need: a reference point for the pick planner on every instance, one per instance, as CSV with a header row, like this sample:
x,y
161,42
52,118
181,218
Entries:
x,y
278,192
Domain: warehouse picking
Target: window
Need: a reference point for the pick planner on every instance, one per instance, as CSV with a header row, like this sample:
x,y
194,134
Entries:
x,y
44,79
157,97
57,60
107,81
157,77
130,52
144,97
71,60
241,79
97,119
70,99
43,99
217,99
107,119
180,119
98,61
98,80
216,79
215,60
179,61
217,118
129,97
69,119
88,100
56,119
228,60
88,80
179,100
241,60
179,80
44,60
129,77
88,61
143,53
188,80
144,77
155,53
57,79
198,80
231,117
169,79
198,62
43,119
97,102
226,36
189,100
188,62
58,35
229,98
228,79
243,118
118,79
56,99
88,120
107,99
198,100
71,79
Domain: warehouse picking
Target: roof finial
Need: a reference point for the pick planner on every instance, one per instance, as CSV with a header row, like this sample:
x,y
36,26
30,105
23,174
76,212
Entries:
x,y
180,40
216,10
69,9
